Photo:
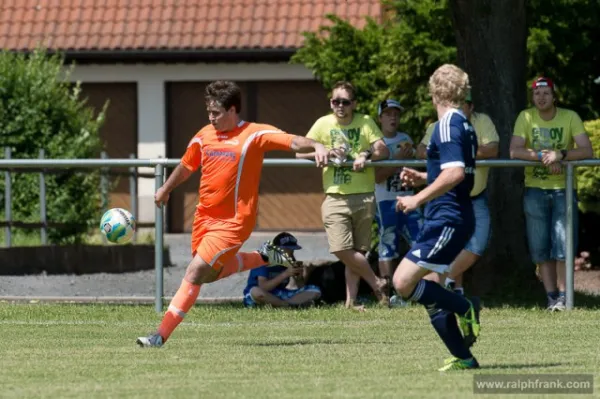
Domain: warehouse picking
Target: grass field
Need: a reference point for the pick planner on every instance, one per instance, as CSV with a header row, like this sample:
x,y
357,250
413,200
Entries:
x,y
60,351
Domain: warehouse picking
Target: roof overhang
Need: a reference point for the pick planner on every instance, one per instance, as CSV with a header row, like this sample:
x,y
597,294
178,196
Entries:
x,y
176,55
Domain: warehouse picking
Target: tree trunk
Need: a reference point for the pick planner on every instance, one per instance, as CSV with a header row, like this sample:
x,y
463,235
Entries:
x,y
491,40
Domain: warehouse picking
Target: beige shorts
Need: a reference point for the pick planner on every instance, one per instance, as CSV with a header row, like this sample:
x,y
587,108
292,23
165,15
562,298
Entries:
x,y
348,221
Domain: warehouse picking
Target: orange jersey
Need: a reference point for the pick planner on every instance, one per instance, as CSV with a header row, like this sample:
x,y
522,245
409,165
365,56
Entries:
x,y
231,166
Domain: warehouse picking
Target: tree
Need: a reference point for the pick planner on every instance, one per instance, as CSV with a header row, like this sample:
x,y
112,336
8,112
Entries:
x,y
40,108
564,43
502,45
491,40
390,59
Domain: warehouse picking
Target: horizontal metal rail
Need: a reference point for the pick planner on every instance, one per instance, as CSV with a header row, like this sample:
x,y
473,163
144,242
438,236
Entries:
x,y
159,164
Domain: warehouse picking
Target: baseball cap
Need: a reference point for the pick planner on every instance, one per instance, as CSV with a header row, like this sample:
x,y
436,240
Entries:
x,y
389,104
542,82
286,240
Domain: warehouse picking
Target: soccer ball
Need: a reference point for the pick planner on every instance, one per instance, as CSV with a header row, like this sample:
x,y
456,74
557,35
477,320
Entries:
x,y
118,225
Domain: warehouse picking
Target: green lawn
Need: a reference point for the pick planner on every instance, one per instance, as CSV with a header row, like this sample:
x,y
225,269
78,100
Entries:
x,y
60,351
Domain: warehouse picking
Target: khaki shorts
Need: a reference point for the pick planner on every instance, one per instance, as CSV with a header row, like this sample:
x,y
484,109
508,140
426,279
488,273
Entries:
x,y
348,221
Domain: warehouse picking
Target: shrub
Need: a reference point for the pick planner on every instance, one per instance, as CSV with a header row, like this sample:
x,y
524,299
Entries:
x,y
588,178
40,108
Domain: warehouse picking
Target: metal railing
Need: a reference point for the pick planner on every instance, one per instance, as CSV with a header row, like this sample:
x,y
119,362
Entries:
x,y
105,175
160,164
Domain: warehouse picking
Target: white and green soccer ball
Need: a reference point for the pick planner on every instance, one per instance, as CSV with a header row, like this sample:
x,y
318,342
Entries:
x,y
118,225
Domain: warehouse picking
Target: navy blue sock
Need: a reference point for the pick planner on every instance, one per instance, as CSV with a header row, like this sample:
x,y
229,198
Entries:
x,y
562,294
444,323
434,295
552,295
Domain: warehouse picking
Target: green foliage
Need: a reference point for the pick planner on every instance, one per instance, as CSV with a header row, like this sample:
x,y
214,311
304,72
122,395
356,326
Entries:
x,y
564,45
396,58
41,109
588,178
383,60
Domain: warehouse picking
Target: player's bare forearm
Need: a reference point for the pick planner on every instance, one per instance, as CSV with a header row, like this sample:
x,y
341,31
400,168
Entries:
x,y
302,144
447,180
487,151
306,155
179,175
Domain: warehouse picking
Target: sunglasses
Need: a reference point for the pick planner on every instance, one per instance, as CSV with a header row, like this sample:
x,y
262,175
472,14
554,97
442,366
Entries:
x,y
341,101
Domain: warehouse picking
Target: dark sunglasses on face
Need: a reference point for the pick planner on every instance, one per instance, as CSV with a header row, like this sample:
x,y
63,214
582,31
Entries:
x,y
341,101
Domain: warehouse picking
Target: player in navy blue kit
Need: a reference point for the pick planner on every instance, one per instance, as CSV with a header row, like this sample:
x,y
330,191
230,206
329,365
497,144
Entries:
x,y
449,220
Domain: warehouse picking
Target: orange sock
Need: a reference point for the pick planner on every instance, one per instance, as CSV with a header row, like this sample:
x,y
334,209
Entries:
x,y
243,261
181,303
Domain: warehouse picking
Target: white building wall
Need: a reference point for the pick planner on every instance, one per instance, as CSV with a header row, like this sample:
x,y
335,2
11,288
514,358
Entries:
x,y
151,81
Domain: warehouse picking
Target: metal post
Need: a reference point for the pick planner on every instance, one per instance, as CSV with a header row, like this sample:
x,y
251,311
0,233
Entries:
x,y
133,193
7,200
43,214
158,241
104,190
104,183
570,261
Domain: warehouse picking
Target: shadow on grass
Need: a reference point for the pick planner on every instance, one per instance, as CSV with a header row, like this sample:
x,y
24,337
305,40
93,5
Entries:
x,y
302,342
537,298
520,366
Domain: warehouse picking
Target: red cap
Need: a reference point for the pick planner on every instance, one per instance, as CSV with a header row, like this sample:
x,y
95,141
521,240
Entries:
x,y
542,82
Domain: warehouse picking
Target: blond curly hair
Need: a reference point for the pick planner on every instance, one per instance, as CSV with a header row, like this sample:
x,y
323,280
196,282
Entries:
x,y
449,86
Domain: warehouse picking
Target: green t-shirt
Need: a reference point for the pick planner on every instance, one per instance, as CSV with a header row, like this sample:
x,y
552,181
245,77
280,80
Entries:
x,y
358,135
556,134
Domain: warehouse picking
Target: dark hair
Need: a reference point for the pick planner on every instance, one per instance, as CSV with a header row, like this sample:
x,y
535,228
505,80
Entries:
x,y
346,86
225,93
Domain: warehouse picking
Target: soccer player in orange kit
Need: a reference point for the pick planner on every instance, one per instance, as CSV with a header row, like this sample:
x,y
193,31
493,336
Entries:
x,y
230,152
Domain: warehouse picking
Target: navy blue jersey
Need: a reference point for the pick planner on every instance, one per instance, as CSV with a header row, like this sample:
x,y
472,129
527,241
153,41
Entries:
x,y
267,272
453,144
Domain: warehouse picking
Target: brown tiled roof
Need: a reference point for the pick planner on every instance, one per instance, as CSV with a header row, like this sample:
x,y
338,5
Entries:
x,y
122,25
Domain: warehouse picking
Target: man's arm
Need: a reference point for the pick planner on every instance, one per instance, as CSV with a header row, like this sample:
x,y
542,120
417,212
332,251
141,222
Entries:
x,y
421,151
320,153
584,148
179,175
518,150
379,151
487,151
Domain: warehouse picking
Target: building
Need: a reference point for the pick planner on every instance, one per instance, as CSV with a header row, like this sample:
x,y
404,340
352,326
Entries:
x,y
152,59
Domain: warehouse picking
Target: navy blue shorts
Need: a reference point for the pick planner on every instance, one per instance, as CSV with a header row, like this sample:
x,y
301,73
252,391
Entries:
x,y
438,245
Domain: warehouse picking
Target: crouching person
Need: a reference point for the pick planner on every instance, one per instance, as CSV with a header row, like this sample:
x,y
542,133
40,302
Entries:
x,y
268,285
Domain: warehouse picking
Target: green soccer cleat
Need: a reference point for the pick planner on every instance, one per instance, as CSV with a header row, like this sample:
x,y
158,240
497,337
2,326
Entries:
x,y
469,323
459,364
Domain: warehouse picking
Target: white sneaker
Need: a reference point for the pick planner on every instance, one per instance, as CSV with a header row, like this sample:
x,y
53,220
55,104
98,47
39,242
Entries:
x,y
151,341
398,302
275,255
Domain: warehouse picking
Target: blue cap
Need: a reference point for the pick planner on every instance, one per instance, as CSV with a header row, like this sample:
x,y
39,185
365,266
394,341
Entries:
x,y
286,240
389,104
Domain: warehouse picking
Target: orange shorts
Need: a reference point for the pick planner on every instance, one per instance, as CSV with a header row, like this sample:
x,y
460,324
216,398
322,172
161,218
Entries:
x,y
216,242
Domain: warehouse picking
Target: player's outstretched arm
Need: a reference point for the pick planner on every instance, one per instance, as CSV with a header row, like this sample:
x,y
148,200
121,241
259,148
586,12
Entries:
x,y
302,144
179,175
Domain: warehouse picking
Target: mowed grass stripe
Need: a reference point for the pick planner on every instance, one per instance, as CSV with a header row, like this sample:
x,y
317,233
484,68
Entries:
x,y
231,352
